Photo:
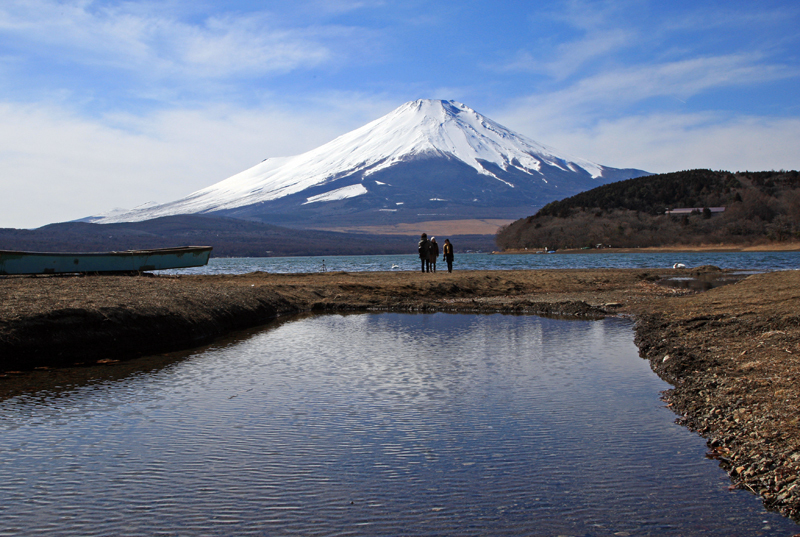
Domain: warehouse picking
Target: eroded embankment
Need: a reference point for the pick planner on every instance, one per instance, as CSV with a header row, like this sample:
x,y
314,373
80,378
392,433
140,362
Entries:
x,y
731,353
733,357
50,322
58,321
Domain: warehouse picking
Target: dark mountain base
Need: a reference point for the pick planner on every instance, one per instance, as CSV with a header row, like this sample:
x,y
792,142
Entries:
x,y
428,188
229,237
375,217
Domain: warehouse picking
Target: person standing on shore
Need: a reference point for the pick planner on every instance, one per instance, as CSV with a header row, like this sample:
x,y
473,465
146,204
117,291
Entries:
x,y
433,253
447,253
423,251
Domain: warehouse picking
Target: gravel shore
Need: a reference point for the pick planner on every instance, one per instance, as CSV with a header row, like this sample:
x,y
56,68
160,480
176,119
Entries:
x,y
732,353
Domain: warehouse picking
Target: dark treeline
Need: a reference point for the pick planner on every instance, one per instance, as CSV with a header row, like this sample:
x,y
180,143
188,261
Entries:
x,y
759,207
230,238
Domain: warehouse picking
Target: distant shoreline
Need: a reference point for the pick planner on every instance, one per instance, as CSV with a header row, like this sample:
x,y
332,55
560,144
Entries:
x,y
721,248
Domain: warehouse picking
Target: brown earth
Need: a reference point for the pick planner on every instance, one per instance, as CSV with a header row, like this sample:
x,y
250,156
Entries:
x,y
732,353
733,357
444,228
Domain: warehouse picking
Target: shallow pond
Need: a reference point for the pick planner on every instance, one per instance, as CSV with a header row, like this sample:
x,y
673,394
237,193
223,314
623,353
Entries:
x,y
373,424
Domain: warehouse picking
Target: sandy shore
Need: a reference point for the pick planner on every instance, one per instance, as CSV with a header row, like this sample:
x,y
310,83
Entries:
x,y
732,353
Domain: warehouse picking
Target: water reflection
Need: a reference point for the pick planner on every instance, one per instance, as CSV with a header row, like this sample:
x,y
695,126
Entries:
x,y
373,425
702,281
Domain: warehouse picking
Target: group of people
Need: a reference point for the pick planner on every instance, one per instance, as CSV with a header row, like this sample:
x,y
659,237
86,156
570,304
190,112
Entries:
x,y
429,251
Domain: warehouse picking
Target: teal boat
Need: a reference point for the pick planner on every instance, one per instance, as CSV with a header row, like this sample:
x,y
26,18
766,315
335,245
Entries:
x,y
103,262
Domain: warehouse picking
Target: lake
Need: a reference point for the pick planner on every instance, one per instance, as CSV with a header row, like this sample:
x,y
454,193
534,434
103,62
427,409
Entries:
x,y
371,424
748,261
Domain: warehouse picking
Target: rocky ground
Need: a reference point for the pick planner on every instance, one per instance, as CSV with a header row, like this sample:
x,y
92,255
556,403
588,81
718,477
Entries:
x,y
732,353
733,357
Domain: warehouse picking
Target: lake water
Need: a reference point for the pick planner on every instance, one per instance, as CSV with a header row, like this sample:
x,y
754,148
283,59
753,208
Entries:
x,y
372,424
752,261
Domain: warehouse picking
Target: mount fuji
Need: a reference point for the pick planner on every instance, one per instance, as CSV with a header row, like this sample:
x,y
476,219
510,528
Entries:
x,y
426,160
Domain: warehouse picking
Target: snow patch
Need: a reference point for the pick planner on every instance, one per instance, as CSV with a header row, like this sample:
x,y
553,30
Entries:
x,y
339,194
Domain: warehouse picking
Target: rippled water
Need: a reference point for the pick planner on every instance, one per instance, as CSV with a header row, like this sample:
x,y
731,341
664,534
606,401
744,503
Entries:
x,y
373,424
754,261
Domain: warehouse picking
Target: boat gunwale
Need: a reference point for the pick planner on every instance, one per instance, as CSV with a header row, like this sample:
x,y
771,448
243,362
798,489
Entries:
x,y
149,251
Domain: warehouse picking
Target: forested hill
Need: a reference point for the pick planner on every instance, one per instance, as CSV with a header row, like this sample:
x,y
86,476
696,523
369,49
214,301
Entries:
x,y
759,207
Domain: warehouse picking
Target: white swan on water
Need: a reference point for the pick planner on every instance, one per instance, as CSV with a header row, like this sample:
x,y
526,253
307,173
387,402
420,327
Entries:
x,y
678,265
395,266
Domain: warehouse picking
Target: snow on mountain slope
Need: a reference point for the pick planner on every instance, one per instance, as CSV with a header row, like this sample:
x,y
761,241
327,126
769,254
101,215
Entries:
x,y
339,194
417,129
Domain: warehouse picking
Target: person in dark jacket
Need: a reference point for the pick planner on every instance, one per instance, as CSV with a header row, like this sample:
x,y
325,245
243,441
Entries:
x,y
423,251
433,253
447,253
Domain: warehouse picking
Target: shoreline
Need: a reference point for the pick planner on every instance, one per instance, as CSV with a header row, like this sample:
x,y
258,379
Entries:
x,y
676,249
732,353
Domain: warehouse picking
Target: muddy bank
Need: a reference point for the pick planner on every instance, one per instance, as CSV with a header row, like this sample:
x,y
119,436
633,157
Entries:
x,y
730,352
58,321
733,357
63,321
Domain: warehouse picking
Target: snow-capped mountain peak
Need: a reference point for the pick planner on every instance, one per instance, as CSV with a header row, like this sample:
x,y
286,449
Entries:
x,y
456,130
421,129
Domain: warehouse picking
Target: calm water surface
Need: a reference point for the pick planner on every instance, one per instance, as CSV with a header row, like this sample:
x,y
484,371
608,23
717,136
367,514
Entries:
x,y
750,261
373,424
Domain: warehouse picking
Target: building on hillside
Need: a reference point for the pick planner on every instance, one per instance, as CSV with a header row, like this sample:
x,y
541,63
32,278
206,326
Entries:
x,y
690,210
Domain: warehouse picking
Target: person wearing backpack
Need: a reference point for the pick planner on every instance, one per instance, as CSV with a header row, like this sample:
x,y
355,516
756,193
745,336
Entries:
x,y
423,248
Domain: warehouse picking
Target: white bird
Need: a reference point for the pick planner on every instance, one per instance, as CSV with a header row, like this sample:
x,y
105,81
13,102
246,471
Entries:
x,y
395,266
678,265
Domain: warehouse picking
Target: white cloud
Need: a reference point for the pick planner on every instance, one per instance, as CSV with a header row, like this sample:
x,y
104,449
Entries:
x,y
239,46
612,93
156,41
730,17
57,166
621,109
341,6
570,57
663,143
597,118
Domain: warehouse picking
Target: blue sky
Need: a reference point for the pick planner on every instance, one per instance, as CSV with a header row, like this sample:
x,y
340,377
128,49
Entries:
x,y
108,104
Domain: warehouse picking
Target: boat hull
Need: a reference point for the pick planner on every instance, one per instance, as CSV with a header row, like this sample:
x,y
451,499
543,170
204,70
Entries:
x,y
104,262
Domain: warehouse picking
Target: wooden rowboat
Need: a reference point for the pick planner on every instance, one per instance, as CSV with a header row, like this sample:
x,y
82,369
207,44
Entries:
x,y
103,262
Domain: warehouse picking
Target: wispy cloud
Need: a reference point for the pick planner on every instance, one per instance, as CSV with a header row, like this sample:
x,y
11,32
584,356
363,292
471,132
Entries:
x,y
157,42
669,142
729,16
609,38
568,58
615,92
67,166
342,6
614,72
624,97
